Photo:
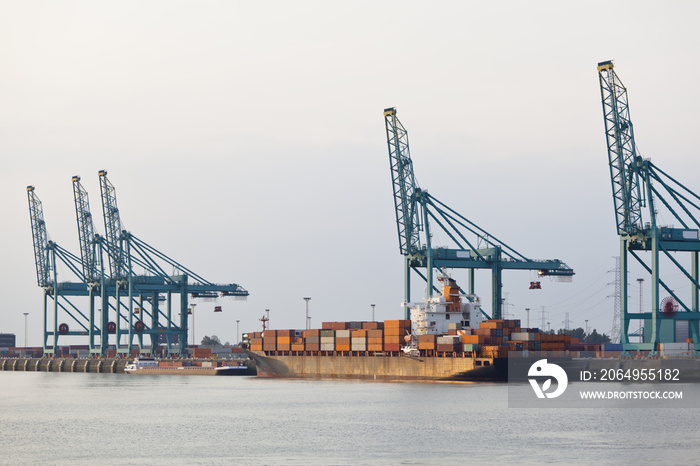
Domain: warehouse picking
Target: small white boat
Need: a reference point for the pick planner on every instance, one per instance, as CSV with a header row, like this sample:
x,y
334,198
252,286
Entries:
x,y
141,363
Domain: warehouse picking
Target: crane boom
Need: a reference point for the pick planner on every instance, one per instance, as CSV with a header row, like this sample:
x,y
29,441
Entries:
x,y
403,183
40,239
113,226
86,231
624,162
418,214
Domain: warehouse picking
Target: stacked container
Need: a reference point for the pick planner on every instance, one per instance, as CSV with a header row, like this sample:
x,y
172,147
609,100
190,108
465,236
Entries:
x,y
358,340
312,340
375,339
342,340
394,333
328,340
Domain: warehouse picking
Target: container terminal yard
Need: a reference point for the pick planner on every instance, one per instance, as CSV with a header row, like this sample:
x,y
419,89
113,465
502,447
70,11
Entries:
x,y
447,336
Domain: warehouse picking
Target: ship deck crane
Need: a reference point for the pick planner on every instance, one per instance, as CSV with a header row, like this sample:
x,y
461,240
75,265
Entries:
x,y
640,191
417,212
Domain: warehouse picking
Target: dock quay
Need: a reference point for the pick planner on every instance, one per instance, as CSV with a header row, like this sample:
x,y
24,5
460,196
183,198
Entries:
x,y
94,365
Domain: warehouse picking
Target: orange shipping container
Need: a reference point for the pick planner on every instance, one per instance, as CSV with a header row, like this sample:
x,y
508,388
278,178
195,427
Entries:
x,y
391,346
397,324
201,352
342,347
393,340
396,331
375,347
375,333
375,341
298,347
473,339
283,340
358,333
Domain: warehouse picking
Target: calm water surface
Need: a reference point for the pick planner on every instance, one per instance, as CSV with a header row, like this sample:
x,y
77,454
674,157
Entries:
x,y
62,418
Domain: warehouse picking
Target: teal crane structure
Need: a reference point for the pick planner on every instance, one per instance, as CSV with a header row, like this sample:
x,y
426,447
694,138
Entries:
x,y
641,191
417,212
141,304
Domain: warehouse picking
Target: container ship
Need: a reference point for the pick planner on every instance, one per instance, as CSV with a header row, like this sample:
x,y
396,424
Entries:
x,y
150,366
445,339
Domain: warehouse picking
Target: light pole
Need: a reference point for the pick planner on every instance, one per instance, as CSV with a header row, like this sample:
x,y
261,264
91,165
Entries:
x,y
372,312
586,327
238,338
193,306
307,312
25,328
641,322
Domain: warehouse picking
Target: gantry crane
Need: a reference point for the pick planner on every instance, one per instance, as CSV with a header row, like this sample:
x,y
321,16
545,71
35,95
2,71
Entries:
x,y
149,294
47,255
637,185
92,261
415,210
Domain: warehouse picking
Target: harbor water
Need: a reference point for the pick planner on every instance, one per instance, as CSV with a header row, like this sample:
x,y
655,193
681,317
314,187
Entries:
x,y
77,418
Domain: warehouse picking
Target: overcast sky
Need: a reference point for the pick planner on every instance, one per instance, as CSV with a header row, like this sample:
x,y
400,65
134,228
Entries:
x,y
246,140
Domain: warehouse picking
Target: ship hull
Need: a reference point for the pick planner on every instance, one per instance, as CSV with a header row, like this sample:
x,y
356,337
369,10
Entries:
x,y
190,370
378,367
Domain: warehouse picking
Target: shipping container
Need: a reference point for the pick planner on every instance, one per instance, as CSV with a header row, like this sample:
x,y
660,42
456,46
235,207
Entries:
x,y
397,324
313,346
373,325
